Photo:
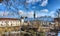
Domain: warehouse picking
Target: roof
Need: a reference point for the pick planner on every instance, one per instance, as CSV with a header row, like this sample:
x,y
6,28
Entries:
x,y
9,19
56,19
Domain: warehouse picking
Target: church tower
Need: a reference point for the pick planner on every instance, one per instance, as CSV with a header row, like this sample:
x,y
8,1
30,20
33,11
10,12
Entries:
x,y
34,15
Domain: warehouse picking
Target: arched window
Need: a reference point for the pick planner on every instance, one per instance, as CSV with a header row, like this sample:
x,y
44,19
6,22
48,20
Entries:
x,y
9,22
14,23
3,23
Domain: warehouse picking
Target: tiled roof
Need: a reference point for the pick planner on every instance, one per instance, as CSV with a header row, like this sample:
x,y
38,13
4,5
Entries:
x,y
56,19
9,19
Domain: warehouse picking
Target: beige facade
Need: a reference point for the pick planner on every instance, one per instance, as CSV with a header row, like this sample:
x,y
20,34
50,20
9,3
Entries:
x,y
9,24
57,23
4,23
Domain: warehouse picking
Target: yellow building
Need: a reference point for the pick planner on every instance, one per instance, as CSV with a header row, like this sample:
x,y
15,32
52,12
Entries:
x,y
9,24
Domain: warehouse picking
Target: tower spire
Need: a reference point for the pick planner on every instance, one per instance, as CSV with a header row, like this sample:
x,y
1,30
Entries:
x,y
34,15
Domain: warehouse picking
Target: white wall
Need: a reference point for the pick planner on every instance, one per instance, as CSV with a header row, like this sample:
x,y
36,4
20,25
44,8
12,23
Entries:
x,y
9,23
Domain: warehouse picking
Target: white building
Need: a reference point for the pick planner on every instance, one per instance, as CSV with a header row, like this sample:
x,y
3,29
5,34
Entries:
x,y
9,22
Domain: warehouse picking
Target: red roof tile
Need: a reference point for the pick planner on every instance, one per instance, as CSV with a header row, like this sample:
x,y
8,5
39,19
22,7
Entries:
x,y
8,19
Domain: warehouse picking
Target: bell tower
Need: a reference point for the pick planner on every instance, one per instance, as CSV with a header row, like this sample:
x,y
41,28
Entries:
x,y
34,15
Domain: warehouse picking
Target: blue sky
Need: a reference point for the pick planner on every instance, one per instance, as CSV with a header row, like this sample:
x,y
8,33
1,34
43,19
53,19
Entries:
x,y
26,8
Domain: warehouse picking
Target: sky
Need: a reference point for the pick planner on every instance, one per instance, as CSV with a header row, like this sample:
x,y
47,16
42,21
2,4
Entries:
x,y
17,8
59,34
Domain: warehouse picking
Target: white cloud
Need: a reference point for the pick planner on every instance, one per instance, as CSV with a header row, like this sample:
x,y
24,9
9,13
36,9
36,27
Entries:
x,y
44,10
32,1
0,3
4,13
28,14
7,14
21,12
53,14
42,13
44,3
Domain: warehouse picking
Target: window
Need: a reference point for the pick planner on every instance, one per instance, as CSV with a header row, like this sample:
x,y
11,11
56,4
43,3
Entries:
x,y
13,23
9,23
45,24
3,23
